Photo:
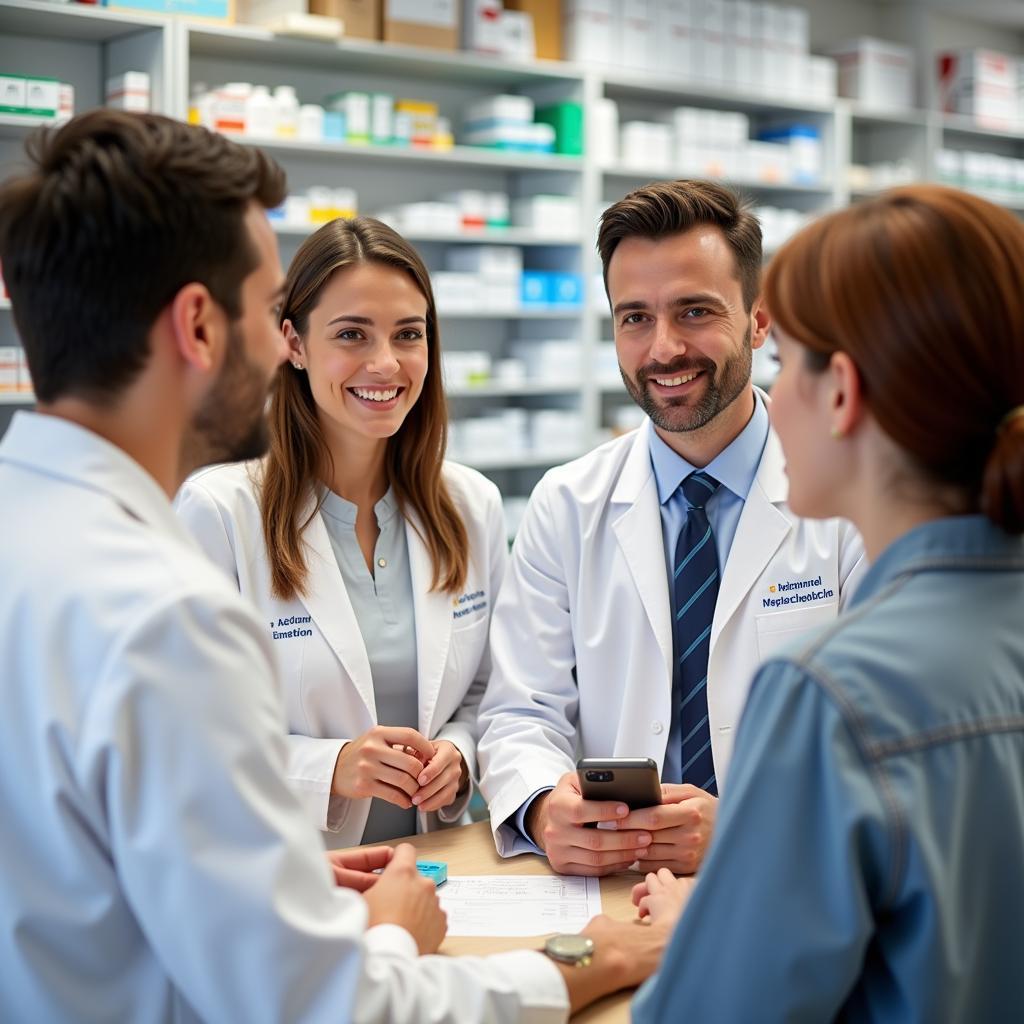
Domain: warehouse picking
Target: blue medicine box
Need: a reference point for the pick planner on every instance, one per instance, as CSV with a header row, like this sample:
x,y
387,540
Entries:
x,y
435,870
535,288
565,289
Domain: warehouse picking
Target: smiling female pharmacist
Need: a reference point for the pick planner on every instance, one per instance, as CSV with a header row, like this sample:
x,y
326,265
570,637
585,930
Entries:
x,y
373,561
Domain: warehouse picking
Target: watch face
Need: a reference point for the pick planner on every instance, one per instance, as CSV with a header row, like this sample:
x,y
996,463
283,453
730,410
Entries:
x,y
569,948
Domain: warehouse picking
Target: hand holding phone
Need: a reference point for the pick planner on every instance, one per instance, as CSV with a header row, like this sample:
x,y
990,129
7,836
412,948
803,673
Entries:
x,y
633,781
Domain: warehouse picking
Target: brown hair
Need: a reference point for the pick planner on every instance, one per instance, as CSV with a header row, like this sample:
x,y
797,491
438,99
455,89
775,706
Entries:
x,y
923,287
118,212
669,207
298,450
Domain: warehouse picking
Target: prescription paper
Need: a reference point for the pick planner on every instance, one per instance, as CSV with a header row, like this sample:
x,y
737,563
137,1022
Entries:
x,y
519,904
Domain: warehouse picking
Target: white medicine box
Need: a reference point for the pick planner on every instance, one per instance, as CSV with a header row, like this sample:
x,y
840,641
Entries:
x,y
879,74
12,94
981,84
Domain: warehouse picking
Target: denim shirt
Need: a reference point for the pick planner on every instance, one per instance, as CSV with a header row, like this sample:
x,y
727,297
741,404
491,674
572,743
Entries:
x,y
868,860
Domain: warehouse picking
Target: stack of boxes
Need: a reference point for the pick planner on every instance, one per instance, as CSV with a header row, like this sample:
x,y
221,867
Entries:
x,y
982,84
999,177
724,44
490,278
696,142
513,123
468,210
32,98
876,73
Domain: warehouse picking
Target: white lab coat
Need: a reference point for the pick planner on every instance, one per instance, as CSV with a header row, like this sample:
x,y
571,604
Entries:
x,y
326,675
582,635
157,867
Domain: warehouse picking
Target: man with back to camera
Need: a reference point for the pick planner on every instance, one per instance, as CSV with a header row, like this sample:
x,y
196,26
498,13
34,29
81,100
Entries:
x,y
156,866
651,576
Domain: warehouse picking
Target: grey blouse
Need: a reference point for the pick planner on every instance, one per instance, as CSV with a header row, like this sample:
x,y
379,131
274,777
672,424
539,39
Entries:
x,y
383,606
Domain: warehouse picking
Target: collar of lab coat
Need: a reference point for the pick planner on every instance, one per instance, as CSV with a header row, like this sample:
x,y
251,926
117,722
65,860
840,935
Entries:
x,y
66,451
638,473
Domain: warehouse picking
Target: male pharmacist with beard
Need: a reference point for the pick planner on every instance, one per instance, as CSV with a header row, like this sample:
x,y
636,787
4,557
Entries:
x,y
650,577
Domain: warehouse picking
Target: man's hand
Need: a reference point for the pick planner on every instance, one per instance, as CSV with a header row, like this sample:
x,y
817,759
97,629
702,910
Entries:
x,y
681,827
556,823
404,897
443,777
355,869
662,897
384,762
625,954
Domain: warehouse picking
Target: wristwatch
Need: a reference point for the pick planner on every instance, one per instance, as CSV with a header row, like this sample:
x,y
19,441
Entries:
x,y
570,949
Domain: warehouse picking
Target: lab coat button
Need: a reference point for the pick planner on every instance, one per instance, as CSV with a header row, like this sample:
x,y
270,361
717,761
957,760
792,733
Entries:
x,y
382,562
656,728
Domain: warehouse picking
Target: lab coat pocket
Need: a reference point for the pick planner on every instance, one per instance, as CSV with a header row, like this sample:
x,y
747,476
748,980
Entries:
x,y
776,629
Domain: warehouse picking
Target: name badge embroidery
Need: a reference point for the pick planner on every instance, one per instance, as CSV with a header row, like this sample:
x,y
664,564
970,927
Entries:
x,y
473,601
797,592
280,630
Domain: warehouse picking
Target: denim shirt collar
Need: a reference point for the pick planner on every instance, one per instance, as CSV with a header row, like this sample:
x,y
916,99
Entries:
x,y
735,467
952,542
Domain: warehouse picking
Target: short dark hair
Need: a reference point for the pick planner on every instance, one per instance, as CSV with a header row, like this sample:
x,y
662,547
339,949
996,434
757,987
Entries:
x,y
669,207
116,214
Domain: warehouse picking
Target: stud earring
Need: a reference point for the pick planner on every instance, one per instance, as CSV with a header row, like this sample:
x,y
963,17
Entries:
x,y
835,433
297,364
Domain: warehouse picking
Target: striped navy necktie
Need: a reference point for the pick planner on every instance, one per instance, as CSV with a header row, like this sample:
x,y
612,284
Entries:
x,y
694,594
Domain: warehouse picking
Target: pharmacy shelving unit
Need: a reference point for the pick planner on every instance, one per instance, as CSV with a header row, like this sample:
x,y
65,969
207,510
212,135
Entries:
x,y
645,98
84,45
383,176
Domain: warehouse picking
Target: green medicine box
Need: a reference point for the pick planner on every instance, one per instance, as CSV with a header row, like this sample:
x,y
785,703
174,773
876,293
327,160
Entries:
x,y
567,120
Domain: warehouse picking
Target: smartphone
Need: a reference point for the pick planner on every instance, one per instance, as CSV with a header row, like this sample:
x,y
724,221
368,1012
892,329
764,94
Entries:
x,y
633,781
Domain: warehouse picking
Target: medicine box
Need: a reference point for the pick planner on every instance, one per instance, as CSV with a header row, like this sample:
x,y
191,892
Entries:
x,y
638,33
200,10
12,94
481,26
589,31
547,25
10,361
361,18
981,84
567,121
436,871
42,96
879,74
433,23
128,91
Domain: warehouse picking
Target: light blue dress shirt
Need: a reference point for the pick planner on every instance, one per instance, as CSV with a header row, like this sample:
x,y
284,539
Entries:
x,y
866,862
735,468
384,608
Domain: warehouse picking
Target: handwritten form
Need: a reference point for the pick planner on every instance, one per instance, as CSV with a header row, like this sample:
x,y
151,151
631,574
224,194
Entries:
x,y
519,904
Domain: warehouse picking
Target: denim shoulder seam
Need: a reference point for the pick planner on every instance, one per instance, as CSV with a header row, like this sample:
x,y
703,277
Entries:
x,y
946,734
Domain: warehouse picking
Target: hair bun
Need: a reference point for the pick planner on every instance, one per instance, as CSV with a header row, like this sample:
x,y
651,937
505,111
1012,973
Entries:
x,y
1002,492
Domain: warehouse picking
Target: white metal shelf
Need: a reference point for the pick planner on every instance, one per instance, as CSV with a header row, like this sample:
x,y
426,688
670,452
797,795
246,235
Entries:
x,y
76,22
638,85
522,313
489,236
457,156
17,398
956,124
890,118
14,127
624,172
498,390
530,460
249,42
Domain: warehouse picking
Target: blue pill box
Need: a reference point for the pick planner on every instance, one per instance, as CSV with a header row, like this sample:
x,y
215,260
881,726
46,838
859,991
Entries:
x,y
435,870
